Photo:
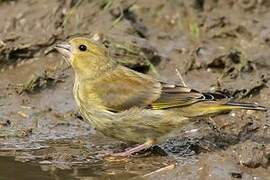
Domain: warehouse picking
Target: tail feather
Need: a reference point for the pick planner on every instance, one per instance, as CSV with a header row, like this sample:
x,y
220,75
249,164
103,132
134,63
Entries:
x,y
247,106
205,108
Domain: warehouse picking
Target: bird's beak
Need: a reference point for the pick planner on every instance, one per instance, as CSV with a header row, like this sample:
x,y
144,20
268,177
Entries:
x,y
64,48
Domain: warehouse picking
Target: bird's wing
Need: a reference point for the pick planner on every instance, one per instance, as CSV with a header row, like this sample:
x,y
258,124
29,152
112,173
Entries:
x,y
123,88
176,96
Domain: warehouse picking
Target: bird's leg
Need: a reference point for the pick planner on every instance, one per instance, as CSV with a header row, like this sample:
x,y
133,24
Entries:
x,y
136,149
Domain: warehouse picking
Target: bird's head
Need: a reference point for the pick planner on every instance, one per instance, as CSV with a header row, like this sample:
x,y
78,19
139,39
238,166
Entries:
x,y
86,57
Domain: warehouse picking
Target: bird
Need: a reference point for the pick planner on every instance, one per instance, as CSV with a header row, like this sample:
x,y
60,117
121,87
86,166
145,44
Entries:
x,y
133,107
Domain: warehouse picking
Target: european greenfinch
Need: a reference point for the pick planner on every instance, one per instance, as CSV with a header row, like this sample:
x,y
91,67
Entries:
x,y
131,106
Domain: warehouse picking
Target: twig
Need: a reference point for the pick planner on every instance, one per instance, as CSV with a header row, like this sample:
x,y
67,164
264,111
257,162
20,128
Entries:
x,y
169,167
181,78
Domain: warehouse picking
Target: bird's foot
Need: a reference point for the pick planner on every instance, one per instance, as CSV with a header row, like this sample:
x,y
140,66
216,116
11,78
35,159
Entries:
x,y
134,150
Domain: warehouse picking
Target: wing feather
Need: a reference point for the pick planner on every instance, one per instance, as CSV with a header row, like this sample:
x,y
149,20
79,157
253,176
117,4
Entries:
x,y
124,88
176,96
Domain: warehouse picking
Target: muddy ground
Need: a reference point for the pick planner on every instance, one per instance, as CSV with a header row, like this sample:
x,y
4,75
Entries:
x,y
216,45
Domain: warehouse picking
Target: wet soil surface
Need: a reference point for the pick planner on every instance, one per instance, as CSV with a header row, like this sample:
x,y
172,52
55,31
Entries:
x,y
216,45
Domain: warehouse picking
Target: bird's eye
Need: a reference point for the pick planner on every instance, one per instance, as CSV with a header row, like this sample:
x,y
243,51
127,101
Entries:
x,y
82,47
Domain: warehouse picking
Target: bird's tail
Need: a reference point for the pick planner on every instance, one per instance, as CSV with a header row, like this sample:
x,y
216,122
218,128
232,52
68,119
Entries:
x,y
242,105
215,107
